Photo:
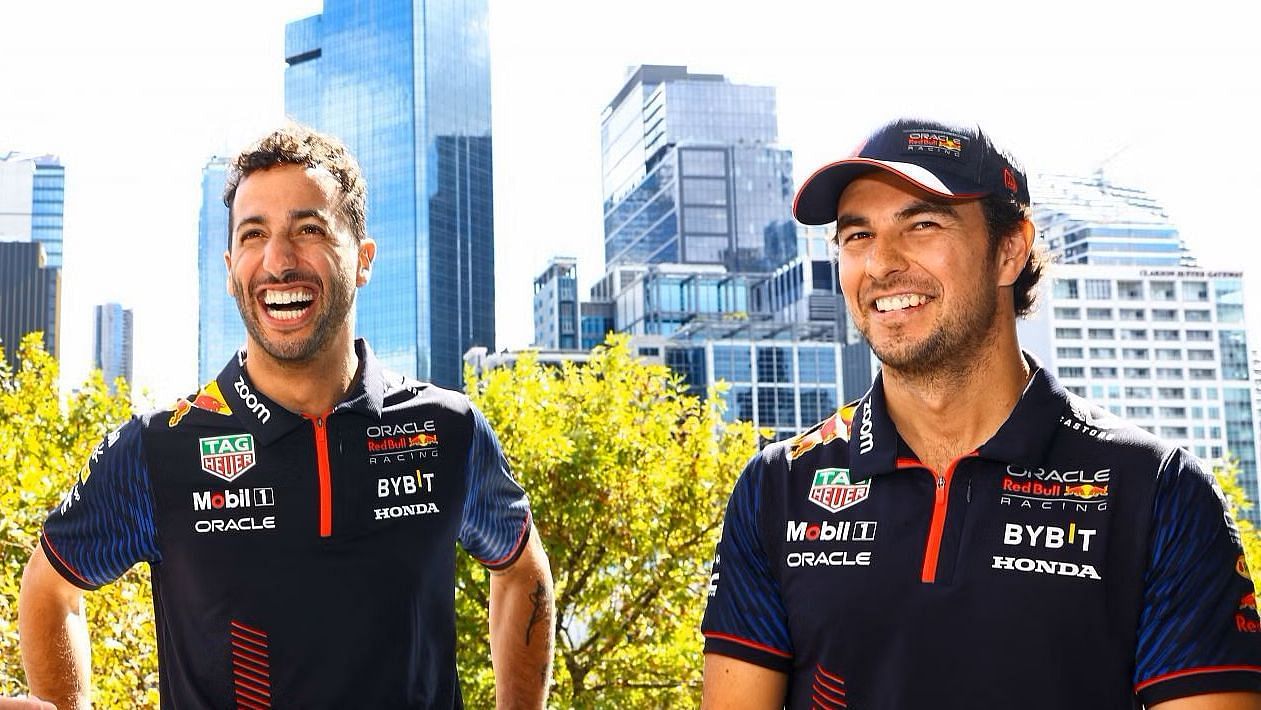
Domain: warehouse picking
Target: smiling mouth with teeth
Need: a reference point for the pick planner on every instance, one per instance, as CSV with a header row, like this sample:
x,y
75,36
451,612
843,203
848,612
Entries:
x,y
900,302
287,305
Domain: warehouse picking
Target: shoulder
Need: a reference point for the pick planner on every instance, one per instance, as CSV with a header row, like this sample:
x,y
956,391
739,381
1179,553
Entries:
x,y
1093,430
406,393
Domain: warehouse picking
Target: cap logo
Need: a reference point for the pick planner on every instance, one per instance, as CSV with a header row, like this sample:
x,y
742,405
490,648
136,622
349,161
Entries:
x,y
935,142
1009,180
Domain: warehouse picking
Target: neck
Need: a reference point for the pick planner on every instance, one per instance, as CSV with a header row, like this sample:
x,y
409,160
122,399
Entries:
x,y
312,386
949,412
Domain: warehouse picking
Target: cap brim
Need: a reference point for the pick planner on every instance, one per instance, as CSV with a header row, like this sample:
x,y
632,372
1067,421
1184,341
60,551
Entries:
x,y
816,200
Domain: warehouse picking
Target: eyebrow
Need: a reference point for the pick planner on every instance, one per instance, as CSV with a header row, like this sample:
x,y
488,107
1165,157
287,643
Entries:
x,y
321,215
915,209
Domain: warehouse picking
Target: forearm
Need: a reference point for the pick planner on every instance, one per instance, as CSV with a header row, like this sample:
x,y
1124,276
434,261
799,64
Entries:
x,y
56,651
522,629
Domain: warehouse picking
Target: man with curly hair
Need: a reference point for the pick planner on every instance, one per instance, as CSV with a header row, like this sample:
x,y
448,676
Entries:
x,y
300,512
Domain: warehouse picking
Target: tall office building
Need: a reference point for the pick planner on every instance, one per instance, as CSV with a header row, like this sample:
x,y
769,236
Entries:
x,y
556,305
692,173
111,343
32,205
1091,220
220,331
25,284
1128,321
406,84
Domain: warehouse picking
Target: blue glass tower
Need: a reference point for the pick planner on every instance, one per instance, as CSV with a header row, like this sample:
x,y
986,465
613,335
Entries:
x,y
406,84
219,328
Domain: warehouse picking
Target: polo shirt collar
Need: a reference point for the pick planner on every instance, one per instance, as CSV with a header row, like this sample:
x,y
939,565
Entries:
x,y
267,421
1024,438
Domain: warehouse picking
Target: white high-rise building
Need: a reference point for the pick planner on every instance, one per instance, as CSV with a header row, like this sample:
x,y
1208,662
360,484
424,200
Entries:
x,y
112,343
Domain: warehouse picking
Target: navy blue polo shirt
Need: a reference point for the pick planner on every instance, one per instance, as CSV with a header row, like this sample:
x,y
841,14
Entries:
x,y
298,561
1072,561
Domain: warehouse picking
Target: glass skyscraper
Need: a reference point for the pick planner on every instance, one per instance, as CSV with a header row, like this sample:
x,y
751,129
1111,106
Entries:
x,y
692,174
112,343
220,331
406,84
32,205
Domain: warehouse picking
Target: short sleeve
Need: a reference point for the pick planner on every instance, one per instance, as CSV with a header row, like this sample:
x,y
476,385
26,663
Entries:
x,y
1198,631
745,617
105,522
496,520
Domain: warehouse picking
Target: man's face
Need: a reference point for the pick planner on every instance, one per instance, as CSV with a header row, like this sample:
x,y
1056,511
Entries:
x,y
918,274
294,264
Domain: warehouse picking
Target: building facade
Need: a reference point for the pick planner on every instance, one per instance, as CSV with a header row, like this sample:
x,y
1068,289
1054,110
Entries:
x,y
406,84
220,331
556,315
112,343
692,174
32,208
25,284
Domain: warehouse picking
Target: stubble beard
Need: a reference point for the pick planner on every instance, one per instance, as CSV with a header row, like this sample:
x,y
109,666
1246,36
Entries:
x,y
950,350
338,301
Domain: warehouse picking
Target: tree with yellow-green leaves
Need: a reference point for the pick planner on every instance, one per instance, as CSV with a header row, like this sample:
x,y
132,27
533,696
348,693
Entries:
x,y
628,477
43,444
1237,499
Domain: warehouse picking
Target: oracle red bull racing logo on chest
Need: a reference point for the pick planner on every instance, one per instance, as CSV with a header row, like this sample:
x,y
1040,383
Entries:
x,y
832,490
227,457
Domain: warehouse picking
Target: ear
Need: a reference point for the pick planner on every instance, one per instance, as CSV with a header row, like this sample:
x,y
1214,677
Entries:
x,y
1013,253
367,252
227,261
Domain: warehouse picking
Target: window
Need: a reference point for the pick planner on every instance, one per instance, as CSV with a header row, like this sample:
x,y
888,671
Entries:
x,y
1103,372
1166,335
1099,314
1138,412
1108,353
1163,291
1199,335
1134,353
1068,352
1101,289
774,365
1133,334
1068,333
1203,373
1133,314
1077,390
1138,373
1168,354
732,364
1065,288
1067,313
1169,373
1199,354
1102,334
1130,290
1198,315
1214,412
1173,432
1066,372
1164,314
1194,291
1171,393
1138,392
1173,412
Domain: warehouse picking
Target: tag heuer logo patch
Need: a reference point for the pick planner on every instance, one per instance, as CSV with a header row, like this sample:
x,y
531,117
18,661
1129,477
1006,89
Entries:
x,y
227,457
833,492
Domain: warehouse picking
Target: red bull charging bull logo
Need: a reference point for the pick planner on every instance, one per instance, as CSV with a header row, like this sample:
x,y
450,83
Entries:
x,y
825,432
208,398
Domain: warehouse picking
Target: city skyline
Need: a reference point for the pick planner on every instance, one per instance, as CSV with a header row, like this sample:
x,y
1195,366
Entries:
x,y
1144,101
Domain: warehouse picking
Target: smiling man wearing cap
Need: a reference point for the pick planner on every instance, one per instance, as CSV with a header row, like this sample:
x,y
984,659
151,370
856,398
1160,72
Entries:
x,y
968,534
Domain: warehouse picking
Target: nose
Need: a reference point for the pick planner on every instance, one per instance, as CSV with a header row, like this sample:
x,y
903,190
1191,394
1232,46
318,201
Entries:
x,y
279,256
885,257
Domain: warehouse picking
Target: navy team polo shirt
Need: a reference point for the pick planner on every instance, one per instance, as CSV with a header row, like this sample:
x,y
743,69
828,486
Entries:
x,y
1072,561
297,561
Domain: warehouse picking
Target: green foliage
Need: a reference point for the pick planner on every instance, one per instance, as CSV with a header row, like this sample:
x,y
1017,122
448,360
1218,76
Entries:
x,y
43,445
1228,476
628,477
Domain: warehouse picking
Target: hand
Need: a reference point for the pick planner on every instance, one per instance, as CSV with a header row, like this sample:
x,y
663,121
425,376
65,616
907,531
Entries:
x,y
28,702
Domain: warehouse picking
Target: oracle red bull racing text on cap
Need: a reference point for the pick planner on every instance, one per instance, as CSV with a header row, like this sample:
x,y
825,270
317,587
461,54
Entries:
x,y
946,161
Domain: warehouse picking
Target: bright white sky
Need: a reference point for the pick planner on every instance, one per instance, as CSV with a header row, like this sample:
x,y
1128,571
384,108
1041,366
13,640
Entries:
x,y
135,95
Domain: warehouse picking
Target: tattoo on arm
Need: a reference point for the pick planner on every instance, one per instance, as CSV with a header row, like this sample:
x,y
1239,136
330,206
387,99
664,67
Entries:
x,y
540,601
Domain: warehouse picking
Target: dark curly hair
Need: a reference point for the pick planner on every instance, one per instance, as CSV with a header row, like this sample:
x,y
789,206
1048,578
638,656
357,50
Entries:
x,y
296,144
1002,217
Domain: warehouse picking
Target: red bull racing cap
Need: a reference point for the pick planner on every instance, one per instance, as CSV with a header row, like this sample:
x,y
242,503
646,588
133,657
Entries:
x,y
958,163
